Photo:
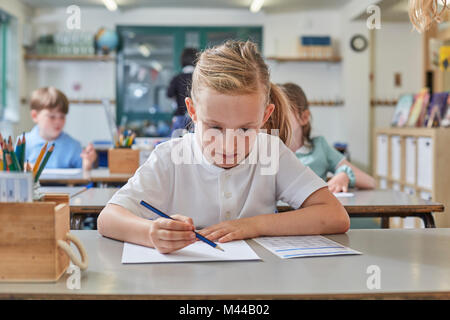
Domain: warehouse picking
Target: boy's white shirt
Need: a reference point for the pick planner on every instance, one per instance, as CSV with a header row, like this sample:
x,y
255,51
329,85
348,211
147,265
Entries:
x,y
209,194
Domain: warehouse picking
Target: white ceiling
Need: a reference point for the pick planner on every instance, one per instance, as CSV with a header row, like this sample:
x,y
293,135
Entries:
x,y
269,5
391,11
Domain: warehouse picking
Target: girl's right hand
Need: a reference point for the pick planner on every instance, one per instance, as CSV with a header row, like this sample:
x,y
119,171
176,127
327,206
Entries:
x,y
339,183
171,235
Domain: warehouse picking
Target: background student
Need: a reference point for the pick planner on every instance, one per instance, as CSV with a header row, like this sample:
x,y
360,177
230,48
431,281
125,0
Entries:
x,y
49,108
216,189
180,86
315,152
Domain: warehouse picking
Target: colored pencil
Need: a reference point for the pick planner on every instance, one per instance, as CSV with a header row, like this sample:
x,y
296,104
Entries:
x,y
14,159
44,162
8,162
23,150
5,166
39,159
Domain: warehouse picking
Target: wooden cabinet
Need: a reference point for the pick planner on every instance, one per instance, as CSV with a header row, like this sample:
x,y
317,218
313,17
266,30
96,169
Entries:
x,y
415,161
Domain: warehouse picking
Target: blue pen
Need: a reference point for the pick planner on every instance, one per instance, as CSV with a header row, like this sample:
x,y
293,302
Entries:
x,y
162,214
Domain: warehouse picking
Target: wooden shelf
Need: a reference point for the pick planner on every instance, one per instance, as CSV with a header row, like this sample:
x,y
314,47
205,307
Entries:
x,y
68,58
300,59
444,35
90,101
325,103
380,102
81,101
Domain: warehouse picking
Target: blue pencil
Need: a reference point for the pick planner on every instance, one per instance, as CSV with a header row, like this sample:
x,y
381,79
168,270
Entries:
x,y
162,214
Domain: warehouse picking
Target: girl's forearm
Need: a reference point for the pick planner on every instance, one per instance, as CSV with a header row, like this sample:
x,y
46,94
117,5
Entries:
x,y
316,219
364,181
118,223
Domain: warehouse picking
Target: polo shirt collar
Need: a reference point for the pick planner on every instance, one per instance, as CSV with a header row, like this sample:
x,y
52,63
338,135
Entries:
x,y
35,136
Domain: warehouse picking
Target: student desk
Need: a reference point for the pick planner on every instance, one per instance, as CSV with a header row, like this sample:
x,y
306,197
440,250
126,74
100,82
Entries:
x,y
385,204
99,176
64,179
371,203
71,191
414,263
92,201
103,177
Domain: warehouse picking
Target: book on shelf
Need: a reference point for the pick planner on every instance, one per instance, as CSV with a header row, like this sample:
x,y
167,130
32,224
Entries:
x,y
446,115
402,110
436,109
418,110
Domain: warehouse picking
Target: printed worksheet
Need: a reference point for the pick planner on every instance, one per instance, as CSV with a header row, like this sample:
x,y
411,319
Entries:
x,y
198,251
303,246
65,171
343,194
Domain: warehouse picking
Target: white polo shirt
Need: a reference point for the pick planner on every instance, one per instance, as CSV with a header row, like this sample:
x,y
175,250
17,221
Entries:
x,y
209,194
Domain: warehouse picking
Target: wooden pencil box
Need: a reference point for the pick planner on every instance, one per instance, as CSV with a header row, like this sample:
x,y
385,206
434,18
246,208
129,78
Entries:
x,y
123,160
34,240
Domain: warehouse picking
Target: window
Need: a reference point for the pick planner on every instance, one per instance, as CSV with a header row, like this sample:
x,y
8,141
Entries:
x,y
147,60
9,61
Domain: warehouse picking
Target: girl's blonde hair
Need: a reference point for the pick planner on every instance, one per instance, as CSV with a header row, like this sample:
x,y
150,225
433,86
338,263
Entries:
x,y
237,67
299,104
423,13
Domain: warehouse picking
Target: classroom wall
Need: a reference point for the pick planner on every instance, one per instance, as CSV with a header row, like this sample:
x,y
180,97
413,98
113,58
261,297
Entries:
x,y
347,80
398,50
23,14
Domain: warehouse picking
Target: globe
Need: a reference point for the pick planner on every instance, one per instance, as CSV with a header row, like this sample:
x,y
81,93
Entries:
x,y
106,40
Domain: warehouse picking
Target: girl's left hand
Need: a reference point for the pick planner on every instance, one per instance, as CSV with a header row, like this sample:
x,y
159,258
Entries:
x,y
339,183
238,229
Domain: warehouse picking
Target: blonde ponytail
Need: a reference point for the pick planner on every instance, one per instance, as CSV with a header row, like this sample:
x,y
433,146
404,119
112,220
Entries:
x,y
279,118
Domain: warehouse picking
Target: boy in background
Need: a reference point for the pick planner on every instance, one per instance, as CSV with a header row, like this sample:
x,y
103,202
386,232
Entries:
x,y
49,108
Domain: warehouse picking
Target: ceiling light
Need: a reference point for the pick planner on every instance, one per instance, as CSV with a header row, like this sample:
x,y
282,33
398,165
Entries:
x,y
256,5
110,4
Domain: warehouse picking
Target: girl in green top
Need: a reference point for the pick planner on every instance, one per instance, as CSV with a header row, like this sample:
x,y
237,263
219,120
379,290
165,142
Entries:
x,y
316,152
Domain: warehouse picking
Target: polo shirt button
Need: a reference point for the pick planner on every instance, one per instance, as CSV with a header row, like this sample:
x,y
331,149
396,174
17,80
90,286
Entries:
x,y
227,195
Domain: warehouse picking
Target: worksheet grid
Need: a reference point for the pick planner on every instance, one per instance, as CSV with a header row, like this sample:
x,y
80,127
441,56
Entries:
x,y
292,242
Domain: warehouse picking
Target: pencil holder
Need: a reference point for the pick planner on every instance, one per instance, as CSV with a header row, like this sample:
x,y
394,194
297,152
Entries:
x,y
34,240
123,160
37,194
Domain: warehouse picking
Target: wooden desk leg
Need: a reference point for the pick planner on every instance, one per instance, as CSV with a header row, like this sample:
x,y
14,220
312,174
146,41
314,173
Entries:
x,y
385,222
428,220
75,223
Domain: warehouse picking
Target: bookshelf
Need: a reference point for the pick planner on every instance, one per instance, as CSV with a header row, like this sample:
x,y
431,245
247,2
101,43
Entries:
x,y
414,160
35,57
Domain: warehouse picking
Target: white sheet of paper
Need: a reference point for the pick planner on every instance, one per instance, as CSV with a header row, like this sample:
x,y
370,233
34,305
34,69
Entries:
x,y
69,171
303,246
343,194
198,251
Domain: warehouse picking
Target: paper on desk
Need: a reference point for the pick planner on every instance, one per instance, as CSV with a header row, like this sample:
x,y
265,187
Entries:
x,y
343,194
69,171
198,251
303,246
